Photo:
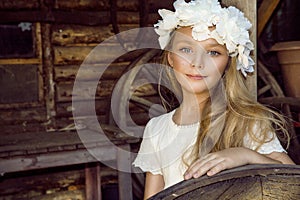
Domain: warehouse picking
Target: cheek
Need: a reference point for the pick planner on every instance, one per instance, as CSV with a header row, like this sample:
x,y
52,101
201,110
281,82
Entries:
x,y
221,64
179,63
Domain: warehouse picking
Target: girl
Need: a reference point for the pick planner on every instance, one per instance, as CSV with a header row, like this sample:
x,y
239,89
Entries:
x,y
217,125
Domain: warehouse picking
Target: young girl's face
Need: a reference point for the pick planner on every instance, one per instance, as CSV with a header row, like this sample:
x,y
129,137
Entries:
x,y
198,65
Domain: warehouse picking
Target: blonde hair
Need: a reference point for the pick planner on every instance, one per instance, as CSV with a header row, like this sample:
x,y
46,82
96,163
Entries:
x,y
225,121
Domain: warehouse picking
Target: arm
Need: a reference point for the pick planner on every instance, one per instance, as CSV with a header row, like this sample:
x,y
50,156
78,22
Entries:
x,y
281,157
233,157
153,185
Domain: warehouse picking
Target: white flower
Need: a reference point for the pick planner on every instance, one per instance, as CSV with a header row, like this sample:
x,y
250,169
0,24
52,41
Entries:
x,y
200,32
230,27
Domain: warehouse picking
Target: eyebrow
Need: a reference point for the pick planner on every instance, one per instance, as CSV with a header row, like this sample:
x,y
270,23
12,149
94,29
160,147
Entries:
x,y
208,45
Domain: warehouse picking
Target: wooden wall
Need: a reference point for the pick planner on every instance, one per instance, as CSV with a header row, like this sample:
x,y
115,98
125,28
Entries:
x,y
65,33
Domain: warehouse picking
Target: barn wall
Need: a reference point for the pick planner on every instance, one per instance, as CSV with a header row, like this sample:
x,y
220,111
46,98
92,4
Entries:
x,y
64,33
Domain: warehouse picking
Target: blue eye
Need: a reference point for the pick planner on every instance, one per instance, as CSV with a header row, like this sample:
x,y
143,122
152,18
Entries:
x,y
213,53
186,50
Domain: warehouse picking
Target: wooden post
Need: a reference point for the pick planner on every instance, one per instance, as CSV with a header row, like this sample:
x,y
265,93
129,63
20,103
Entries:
x,y
93,182
249,8
124,178
48,68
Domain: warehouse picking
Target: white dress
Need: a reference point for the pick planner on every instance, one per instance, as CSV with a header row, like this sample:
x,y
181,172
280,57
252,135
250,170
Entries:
x,y
164,143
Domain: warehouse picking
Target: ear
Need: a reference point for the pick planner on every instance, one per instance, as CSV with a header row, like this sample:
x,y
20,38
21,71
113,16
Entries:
x,y
170,58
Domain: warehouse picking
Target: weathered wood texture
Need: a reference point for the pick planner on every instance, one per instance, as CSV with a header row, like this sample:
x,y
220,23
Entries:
x,y
58,149
55,183
21,4
132,5
83,35
62,46
246,182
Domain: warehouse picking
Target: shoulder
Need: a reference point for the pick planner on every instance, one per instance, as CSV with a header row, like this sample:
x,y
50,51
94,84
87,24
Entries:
x,y
264,142
159,122
158,127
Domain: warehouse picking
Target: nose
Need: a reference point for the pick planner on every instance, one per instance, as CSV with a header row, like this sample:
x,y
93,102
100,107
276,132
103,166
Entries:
x,y
198,60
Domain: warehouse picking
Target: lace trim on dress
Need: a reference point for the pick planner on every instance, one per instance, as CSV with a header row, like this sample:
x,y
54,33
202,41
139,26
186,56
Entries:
x,y
146,166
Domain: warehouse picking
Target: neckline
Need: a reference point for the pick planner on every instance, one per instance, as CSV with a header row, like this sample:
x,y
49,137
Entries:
x,y
196,124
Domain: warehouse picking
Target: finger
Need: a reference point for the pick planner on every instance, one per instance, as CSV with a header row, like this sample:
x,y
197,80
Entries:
x,y
217,168
206,167
193,168
200,167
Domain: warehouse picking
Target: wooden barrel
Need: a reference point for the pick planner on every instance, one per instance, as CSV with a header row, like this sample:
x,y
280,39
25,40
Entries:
x,y
247,182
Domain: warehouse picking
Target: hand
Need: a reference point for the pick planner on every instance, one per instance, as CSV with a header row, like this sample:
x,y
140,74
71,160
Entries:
x,y
215,162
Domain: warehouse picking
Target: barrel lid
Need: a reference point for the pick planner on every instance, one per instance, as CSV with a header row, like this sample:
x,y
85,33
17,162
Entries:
x,y
290,45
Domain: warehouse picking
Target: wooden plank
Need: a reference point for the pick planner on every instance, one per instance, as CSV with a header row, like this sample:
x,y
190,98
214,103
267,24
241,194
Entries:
x,y
64,109
63,158
24,115
96,5
71,17
132,5
292,101
20,4
69,72
104,89
106,54
74,34
48,73
75,54
265,11
281,187
229,190
39,54
93,182
16,61
249,7
21,127
17,142
65,91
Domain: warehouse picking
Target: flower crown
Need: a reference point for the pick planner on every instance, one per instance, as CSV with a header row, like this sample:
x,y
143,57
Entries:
x,y
231,27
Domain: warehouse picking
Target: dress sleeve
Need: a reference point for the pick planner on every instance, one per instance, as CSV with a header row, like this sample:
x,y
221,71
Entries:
x,y
272,144
148,158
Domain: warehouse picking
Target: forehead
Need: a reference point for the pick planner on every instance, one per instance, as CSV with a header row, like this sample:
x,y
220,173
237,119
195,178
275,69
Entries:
x,y
184,35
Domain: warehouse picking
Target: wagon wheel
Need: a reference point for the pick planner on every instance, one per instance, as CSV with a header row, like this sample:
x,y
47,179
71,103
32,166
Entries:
x,y
246,182
124,91
124,94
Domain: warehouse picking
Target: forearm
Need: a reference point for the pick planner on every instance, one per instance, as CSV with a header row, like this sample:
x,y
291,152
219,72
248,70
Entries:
x,y
254,157
272,158
153,185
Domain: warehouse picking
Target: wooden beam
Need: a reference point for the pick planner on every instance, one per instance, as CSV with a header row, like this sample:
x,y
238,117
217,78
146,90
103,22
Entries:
x,y
67,17
93,182
20,61
265,11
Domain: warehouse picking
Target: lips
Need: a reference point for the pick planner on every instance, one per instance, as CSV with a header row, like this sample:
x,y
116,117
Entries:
x,y
195,77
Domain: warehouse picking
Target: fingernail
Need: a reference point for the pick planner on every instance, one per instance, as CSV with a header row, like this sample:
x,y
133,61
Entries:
x,y
210,173
196,175
187,176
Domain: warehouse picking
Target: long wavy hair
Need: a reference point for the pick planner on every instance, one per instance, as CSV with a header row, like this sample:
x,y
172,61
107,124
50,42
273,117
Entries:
x,y
229,114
